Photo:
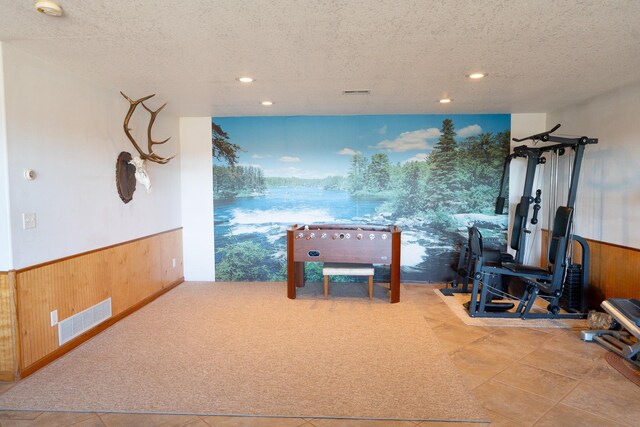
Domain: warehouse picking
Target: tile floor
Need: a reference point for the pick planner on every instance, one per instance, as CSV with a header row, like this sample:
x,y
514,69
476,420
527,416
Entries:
x,y
522,377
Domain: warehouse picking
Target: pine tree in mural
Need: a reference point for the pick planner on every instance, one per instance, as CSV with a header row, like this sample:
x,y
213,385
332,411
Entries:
x,y
481,159
474,157
221,148
358,174
445,182
378,173
234,181
410,194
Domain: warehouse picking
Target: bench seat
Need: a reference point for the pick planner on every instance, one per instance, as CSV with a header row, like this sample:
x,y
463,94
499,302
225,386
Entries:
x,y
347,269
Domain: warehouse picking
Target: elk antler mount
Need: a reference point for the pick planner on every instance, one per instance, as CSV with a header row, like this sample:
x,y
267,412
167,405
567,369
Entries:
x,y
130,169
151,156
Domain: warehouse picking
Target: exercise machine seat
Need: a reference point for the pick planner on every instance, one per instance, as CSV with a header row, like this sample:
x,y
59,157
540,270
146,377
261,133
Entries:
x,y
537,280
626,342
628,308
557,249
527,269
476,243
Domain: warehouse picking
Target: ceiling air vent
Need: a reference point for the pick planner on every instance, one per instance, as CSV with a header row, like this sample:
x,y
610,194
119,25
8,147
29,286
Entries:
x,y
356,92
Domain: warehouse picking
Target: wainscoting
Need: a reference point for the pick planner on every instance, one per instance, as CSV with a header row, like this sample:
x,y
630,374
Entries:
x,y
8,362
613,270
131,274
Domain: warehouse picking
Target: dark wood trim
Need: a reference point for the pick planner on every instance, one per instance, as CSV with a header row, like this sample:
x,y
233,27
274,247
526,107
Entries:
x,y
17,339
291,287
31,267
615,245
394,296
25,372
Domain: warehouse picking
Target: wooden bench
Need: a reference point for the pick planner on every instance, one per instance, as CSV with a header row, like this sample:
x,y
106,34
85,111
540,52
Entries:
x,y
346,269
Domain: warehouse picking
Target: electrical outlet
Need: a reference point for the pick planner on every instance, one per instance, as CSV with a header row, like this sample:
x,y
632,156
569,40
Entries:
x,y
54,317
174,263
28,220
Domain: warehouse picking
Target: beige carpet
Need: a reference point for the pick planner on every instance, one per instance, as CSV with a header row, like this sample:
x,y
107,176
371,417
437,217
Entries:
x,y
455,303
245,349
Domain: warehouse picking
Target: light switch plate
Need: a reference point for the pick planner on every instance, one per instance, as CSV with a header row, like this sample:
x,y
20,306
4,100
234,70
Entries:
x,y
54,317
28,220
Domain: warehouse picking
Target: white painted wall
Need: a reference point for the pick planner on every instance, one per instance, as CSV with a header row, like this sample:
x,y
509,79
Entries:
x,y
6,261
608,202
523,125
197,198
69,130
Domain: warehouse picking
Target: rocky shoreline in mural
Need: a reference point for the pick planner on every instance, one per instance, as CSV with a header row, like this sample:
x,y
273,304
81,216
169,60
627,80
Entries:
x,y
259,224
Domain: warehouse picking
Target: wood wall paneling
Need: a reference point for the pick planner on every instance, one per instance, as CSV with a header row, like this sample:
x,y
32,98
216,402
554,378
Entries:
x,y
613,270
128,273
8,344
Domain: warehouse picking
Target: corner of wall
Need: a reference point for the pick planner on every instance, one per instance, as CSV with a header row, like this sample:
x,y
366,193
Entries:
x,y
197,198
607,204
6,254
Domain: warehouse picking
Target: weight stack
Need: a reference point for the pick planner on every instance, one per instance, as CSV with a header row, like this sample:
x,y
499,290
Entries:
x,y
571,299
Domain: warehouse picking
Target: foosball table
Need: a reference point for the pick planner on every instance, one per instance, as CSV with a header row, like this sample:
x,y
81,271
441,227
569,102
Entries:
x,y
351,243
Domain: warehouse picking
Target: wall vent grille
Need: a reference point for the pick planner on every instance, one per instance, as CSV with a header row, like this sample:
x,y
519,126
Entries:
x,y
73,326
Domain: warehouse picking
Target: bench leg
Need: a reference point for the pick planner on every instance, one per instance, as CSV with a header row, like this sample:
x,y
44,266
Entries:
x,y
326,287
370,287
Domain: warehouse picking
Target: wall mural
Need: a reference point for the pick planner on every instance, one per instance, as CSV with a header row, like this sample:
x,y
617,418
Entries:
x,y
432,175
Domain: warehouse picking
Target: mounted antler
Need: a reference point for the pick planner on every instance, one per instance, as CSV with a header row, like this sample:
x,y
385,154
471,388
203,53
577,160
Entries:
x,y
151,156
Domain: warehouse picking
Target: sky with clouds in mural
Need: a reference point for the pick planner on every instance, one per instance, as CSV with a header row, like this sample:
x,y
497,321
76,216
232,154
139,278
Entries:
x,y
321,146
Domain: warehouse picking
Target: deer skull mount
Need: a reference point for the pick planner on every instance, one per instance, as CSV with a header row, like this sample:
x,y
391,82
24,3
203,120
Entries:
x,y
136,165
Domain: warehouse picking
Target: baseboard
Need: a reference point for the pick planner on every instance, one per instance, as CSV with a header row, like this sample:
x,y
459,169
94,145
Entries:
x,y
60,351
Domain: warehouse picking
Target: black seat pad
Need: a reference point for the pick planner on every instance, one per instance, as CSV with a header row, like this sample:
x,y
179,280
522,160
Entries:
x,y
527,269
630,308
492,255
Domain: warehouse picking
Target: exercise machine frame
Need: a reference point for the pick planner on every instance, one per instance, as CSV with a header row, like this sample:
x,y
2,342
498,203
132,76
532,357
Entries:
x,y
535,157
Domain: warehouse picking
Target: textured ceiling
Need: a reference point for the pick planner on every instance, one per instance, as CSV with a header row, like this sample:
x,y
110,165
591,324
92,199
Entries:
x,y
540,54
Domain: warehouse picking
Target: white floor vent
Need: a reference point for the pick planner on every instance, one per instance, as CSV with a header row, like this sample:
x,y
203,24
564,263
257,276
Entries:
x,y
73,326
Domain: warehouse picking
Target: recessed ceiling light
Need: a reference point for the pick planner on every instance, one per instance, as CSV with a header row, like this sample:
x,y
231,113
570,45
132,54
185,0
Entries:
x,y
49,7
245,79
266,103
476,75
445,100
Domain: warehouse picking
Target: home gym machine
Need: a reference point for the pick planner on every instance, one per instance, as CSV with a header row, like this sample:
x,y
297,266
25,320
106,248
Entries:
x,y
534,157
488,272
